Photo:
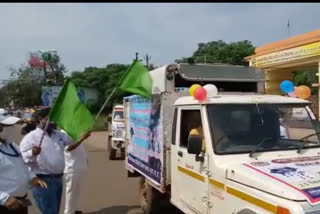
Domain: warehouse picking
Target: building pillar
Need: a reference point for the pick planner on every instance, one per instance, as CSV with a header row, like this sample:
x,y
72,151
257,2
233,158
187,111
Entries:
x,y
274,78
317,85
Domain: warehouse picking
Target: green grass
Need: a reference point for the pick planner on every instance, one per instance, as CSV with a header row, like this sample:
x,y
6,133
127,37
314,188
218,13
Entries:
x,y
100,125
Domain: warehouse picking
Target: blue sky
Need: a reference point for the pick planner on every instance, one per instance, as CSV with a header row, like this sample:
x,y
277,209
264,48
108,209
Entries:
x,y
99,34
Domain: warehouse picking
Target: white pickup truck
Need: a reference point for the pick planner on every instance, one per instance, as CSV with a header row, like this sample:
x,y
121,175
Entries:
x,y
258,156
116,132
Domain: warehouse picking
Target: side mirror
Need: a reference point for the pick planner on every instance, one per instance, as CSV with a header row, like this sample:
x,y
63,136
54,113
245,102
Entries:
x,y
194,144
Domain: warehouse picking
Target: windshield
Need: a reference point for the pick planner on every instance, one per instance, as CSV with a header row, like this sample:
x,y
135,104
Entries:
x,y
118,115
239,128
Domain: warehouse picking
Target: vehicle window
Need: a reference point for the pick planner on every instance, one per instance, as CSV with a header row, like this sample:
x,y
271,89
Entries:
x,y
190,119
295,124
239,128
118,115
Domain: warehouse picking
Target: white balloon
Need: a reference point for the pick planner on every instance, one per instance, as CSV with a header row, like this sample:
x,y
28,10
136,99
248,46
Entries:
x,y
211,90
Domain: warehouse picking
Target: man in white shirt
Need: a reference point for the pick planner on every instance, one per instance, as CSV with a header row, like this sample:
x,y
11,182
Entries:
x,y
15,179
47,161
75,167
283,130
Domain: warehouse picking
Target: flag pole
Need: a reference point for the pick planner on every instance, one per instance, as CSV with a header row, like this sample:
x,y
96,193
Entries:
x,y
44,132
107,100
114,89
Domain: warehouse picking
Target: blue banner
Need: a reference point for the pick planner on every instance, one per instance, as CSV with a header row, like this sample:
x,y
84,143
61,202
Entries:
x,y
145,151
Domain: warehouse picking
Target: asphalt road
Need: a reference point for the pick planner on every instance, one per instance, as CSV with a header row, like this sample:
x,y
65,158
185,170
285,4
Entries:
x,y
105,188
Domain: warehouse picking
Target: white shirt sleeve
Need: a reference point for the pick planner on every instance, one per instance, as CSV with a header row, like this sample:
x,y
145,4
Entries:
x,y
66,138
3,198
283,132
26,150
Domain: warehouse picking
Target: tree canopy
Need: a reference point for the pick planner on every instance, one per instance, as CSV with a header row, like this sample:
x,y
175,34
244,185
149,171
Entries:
x,y
221,52
104,80
25,85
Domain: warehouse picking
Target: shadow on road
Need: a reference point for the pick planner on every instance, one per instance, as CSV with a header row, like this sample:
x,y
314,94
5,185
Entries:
x,y
118,210
133,210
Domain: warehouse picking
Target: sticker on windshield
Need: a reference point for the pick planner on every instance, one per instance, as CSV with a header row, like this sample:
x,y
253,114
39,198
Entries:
x,y
301,174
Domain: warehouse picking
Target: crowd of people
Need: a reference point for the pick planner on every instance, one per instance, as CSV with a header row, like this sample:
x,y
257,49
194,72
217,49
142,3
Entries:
x,y
45,155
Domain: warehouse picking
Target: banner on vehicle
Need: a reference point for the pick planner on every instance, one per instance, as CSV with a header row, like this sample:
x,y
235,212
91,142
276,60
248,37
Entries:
x,y
145,151
301,174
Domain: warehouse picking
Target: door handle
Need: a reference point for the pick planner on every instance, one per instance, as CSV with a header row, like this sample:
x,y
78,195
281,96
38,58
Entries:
x,y
180,153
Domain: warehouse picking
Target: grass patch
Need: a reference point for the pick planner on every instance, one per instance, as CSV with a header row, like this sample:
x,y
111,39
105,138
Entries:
x,y
101,124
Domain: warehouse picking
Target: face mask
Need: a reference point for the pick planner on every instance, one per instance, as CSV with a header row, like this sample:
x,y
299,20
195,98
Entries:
x,y
4,135
51,128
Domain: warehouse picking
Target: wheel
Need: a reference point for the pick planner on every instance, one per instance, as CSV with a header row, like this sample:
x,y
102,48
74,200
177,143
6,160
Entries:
x,y
111,151
149,198
123,153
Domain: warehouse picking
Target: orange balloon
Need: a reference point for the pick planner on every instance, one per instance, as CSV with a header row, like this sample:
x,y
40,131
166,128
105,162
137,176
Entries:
x,y
302,92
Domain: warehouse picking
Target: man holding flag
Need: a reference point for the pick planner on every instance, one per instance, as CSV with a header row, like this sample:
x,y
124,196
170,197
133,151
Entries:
x,y
43,148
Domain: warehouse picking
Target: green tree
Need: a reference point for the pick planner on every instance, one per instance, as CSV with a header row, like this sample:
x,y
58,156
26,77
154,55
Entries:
x,y
306,77
104,80
22,92
25,85
221,52
54,71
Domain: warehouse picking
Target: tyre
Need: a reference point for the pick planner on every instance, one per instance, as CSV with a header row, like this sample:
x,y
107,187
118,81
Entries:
x,y
123,154
150,198
111,151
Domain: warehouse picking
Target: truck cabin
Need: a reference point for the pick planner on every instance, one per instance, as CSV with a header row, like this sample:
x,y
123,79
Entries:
x,y
227,78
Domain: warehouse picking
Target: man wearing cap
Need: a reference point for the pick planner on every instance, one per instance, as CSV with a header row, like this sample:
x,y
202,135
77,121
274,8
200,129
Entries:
x,y
46,160
15,179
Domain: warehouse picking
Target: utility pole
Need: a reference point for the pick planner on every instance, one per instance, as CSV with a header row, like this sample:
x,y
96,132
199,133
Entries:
x,y
205,59
288,25
137,58
147,58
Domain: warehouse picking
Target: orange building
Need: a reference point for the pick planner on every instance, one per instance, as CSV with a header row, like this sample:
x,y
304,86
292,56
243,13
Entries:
x,y
281,58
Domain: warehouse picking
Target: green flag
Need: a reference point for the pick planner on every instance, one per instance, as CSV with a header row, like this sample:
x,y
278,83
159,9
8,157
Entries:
x,y
69,113
137,80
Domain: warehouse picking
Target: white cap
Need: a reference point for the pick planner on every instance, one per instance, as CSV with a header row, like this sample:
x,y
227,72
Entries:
x,y
8,119
3,111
